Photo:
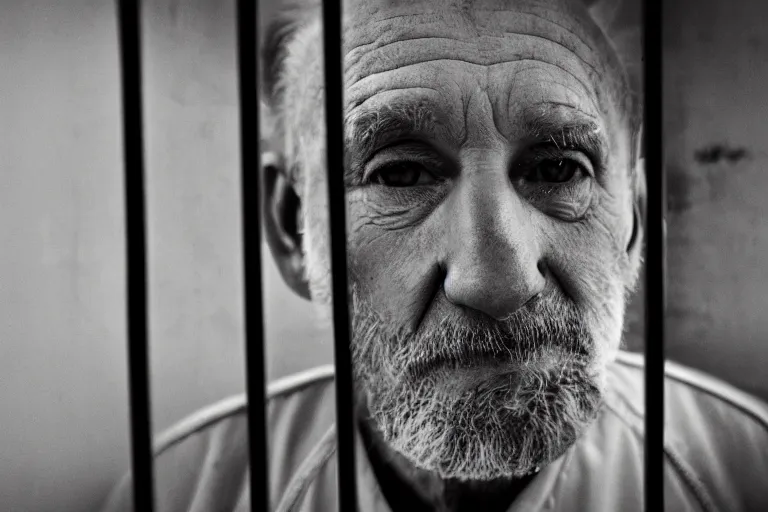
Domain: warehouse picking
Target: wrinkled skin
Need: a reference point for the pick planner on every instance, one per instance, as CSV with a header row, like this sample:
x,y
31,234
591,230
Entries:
x,y
489,172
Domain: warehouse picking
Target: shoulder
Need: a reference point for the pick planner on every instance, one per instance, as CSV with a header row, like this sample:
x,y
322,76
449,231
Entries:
x,y
204,457
686,388
715,437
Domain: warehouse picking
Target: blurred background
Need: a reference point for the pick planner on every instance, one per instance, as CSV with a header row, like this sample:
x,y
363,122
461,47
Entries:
x,y
63,388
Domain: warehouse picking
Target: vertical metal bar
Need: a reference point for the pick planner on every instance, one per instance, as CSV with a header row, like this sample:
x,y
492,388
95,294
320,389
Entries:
x,y
334,114
129,28
655,257
251,225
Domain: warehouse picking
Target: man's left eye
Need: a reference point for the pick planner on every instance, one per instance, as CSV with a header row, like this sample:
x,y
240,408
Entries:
x,y
559,170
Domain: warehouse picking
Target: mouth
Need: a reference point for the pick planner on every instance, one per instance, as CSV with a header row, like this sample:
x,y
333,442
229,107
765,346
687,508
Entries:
x,y
422,368
479,359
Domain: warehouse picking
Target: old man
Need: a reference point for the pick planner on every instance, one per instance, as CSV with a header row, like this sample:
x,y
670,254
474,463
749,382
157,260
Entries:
x,y
495,191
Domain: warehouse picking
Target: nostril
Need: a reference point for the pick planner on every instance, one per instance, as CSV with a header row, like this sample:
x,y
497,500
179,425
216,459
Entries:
x,y
542,268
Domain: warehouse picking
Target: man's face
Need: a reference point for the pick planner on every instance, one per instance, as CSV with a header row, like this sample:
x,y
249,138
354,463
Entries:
x,y
489,213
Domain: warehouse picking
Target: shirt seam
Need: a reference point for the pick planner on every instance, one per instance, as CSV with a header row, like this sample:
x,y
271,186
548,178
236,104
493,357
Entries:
x,y
307,473
559,481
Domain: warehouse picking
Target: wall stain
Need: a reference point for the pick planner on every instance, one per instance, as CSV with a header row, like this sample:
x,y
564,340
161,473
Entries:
x,y
688,187
716,153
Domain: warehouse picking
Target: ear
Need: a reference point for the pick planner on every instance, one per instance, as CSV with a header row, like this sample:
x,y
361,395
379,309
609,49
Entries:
x,y
281,211
639,196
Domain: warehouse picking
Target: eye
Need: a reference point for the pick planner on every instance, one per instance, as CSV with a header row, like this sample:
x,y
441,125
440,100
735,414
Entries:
x,y
403,174
555,170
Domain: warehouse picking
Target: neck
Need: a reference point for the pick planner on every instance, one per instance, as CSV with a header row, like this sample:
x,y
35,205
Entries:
x,y
407,487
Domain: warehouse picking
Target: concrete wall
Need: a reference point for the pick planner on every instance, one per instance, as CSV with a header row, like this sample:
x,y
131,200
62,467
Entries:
x,y
64,436
716,144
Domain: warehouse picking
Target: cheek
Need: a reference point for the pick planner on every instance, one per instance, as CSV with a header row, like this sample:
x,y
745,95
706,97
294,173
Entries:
x,y
589,263
392,258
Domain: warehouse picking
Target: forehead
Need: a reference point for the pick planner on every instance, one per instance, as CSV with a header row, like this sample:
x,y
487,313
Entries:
x,y
511,56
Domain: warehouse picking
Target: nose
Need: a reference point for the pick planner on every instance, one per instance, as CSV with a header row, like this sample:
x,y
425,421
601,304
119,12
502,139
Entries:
x,y
493,257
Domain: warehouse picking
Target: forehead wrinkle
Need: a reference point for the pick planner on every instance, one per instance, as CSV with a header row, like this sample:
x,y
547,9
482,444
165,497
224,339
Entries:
x,y
536,22
382,69
549,113
566,23
392,60
369,15
430,82
496,49
576,23
550,37
536,65
553,79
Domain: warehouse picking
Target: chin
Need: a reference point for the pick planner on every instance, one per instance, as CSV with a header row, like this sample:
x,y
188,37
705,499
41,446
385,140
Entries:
x,y
489,420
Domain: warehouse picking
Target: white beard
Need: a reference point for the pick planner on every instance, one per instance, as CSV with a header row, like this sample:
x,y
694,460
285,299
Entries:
x,y
478,419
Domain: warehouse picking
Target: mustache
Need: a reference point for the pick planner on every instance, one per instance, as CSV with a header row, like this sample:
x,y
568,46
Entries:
x,y
460,337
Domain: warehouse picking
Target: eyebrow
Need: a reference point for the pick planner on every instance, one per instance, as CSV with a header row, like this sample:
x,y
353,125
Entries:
x,y
370,129
566,127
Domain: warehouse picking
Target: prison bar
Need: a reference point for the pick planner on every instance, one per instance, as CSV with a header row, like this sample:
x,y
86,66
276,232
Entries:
x,y
655,275
248,90
129,29
334,115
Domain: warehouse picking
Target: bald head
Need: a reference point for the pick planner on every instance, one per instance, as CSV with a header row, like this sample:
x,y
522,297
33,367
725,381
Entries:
x,y
586,24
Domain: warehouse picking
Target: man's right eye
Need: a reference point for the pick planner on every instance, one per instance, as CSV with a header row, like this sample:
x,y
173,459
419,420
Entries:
x,y
403,174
